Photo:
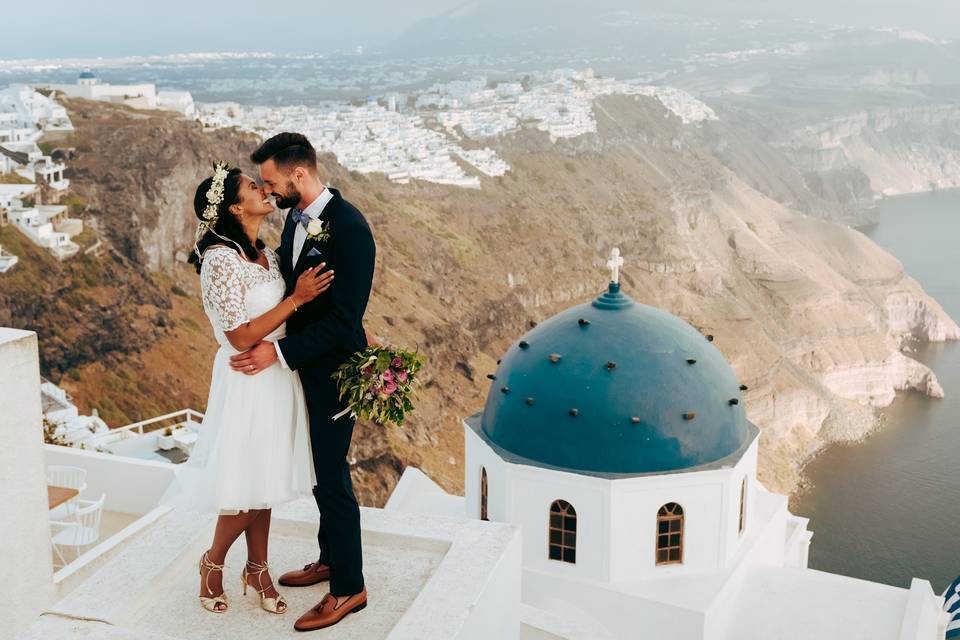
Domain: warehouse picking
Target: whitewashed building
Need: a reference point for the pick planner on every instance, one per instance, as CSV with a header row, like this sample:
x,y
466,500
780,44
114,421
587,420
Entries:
x,y
13,130
26,160
13,196
7,260
68,424
179,101
89,87
26,113
47,226
614,435
138,96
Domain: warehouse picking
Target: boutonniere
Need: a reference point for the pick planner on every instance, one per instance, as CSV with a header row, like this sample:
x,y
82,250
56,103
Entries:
x,y
317,231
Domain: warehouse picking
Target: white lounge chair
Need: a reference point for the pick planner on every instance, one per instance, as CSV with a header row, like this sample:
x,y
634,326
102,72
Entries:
x,y
82,531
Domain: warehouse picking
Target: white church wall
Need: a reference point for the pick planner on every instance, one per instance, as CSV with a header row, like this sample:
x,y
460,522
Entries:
x,y
533,490
762,544
634,506
766,542
731,536
479,455
797,549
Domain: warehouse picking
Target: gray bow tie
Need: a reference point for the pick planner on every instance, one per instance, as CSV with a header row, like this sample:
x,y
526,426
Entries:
x,y
300,217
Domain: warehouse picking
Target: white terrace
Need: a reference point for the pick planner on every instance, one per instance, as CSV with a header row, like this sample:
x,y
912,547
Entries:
x,y
428,576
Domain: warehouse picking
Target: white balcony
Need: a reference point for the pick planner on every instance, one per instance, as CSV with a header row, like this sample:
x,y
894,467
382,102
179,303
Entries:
x,y
59,185
65,250
133,489
146,440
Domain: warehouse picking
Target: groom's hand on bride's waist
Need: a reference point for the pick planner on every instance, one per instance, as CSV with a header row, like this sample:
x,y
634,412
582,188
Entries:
x,y
259,357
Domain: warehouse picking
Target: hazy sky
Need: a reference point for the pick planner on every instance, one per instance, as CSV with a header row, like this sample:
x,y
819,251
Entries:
x,y
49,28
127,27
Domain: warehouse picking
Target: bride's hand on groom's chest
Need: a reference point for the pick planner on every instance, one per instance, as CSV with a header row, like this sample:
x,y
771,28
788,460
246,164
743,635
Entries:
x,y
312,258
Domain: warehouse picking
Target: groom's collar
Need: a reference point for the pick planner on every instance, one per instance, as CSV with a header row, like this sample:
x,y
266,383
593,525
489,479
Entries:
x,y
315,208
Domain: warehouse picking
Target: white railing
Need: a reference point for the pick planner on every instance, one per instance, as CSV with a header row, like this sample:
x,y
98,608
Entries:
x,y
139,428
184,415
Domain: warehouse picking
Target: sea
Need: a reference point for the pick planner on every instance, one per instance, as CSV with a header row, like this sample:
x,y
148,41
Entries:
x,y
888,509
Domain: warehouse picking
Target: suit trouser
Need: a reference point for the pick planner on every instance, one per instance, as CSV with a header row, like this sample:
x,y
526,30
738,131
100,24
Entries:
x,y
339,532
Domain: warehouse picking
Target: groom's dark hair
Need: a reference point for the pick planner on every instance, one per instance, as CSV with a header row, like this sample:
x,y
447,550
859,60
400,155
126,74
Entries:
x,y
288,150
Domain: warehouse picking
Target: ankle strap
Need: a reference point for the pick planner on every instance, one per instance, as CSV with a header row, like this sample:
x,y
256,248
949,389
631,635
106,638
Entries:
x,y
257,569
206,563
209,564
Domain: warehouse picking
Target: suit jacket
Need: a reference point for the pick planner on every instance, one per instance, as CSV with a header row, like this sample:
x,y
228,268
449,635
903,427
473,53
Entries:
x,y
325,332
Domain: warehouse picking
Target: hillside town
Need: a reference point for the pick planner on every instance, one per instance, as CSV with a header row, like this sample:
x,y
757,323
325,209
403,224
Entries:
x,y
32,182
28,176
433,135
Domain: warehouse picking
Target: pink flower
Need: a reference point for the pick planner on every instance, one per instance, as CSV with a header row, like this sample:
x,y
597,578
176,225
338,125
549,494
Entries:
x,y
366,371
375,390
397,362
388,375
402,376
389,387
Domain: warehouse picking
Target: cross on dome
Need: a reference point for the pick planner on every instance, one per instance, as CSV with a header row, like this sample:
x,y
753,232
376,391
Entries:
x,y
614,264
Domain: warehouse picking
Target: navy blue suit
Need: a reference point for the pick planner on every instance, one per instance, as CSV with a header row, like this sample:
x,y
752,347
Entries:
x,y
321,336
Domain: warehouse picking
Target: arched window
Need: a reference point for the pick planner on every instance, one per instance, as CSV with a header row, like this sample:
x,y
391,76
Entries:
x,y
483,494
670,534
563,532
743,505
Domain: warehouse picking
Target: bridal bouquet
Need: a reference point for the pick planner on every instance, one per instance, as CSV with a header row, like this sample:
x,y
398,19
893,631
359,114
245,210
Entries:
x,y
378,383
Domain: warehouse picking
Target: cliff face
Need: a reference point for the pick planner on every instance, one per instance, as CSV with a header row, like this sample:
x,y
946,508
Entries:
x,y
851,159
810,313
137,172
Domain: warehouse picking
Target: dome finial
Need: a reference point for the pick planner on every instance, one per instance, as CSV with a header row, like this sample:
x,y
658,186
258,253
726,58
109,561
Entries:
x,y
614,264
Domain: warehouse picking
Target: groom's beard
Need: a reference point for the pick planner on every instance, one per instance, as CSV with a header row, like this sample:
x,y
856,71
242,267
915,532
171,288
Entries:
x,y
287,200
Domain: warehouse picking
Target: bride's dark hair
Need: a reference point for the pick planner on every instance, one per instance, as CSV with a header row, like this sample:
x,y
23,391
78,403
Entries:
x,y
227,230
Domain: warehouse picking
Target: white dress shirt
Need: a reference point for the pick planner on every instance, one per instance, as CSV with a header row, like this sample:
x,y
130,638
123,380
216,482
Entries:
x,y
314,209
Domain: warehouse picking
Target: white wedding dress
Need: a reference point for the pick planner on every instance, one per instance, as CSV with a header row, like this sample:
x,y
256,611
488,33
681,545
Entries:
x,y
254,446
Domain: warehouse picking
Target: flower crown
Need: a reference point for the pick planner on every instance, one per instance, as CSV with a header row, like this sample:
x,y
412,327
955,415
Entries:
x,y
215,195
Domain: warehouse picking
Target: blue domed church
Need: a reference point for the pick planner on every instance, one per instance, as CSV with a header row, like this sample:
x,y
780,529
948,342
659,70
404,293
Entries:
x,y
615,437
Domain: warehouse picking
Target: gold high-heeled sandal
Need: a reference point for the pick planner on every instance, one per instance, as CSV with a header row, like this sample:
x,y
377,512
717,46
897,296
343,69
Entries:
x,y
273,605
210,604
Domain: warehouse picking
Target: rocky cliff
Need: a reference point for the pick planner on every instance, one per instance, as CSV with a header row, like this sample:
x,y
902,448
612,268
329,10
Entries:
x,y
836,166
810,313
899,149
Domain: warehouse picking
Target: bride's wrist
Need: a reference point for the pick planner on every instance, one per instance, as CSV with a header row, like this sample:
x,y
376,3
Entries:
x,y
296,304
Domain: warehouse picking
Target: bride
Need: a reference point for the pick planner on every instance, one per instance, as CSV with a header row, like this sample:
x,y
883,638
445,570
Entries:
x,y
254,449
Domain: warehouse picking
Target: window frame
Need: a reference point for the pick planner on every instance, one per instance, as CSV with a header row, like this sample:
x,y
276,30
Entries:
x,y
484,495
743,506
566,549
673,516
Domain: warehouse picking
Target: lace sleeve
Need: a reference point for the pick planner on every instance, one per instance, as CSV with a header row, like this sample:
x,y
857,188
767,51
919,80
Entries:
x,y
222,284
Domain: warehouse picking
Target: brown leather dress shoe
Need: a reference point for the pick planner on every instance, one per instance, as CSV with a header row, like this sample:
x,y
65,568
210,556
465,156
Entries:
x,y
327,613
313,573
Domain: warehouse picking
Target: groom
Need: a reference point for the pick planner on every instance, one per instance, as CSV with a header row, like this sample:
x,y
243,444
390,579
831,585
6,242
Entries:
x,y
321,336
